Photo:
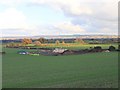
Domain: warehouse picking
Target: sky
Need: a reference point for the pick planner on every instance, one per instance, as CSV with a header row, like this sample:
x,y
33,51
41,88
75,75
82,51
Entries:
x,y
58,17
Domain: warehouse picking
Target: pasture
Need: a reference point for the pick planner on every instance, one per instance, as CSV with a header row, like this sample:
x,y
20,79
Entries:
x,y
73,46
98,70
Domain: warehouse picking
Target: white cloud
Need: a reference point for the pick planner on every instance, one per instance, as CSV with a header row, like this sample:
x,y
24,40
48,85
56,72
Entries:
x,y
78,7
108,31
74,7
96,14
13,2
86,16
12,18
68,27
71,6
14,22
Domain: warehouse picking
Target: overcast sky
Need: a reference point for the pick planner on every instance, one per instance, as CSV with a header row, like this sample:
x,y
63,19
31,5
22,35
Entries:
x,y
58,17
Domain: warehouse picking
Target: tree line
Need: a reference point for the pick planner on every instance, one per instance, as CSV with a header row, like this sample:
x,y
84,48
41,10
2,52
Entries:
x,y
41,41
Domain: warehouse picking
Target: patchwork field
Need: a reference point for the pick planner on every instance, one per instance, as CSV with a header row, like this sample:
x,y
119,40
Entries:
x,y
76,71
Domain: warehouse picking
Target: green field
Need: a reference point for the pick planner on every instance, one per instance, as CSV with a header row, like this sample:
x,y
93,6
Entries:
x,y
75,71
74,46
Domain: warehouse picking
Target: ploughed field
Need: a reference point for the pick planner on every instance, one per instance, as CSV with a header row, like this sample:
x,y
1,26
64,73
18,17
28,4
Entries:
x,y
75,71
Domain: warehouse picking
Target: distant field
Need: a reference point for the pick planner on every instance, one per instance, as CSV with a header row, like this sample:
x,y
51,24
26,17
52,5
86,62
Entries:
x,y
75,45
76,71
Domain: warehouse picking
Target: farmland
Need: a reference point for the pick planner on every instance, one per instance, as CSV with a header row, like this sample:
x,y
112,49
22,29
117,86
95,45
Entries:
x,y
75,71
77,46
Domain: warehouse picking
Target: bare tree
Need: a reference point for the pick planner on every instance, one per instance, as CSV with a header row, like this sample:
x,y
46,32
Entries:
x,y
37,43
63,42
57,42
42,40
78,40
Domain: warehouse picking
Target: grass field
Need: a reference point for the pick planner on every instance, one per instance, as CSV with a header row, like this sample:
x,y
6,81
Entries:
x,y
74,71
75,45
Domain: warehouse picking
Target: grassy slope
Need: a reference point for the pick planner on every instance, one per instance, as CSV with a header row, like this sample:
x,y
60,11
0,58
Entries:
x,y
89,70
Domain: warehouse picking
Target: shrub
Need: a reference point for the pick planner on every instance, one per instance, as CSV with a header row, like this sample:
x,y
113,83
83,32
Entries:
x,y
118,47
112,48
91,47
98,48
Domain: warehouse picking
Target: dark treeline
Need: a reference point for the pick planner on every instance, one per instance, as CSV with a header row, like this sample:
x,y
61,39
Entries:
x,y
91,41
9,41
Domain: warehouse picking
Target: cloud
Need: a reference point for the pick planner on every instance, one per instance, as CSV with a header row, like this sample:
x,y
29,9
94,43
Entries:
x,y
12,18
95,25
80,7
84,16
14,22
14,32
60,28
73,7
108,31
94,16
70,6
14,2
68,27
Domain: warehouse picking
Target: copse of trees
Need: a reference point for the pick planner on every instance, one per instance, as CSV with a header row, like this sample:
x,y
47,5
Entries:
x,y
98,48
37,43
78,40
26,41
42,40
112,48
10,44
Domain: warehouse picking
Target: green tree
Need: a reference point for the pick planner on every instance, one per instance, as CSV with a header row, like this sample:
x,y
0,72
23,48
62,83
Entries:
x,y
119,47
112,48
